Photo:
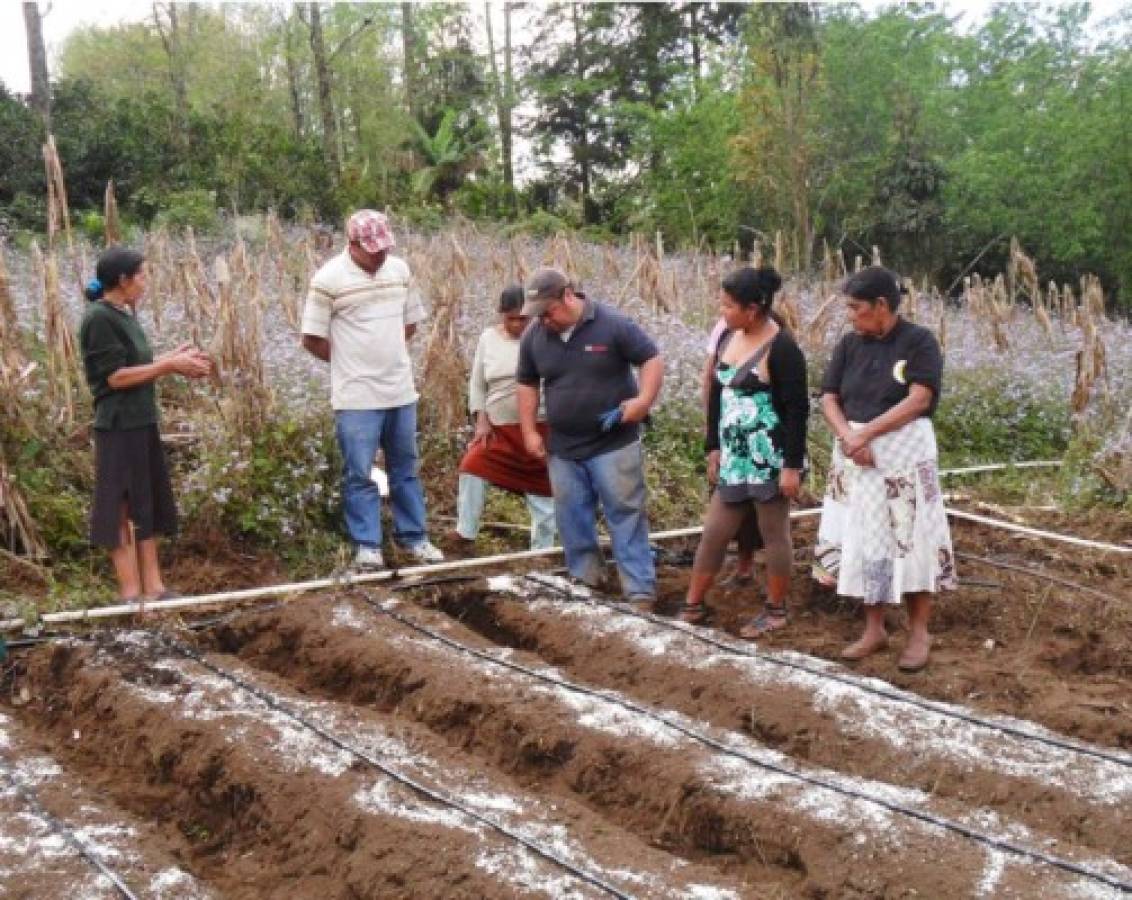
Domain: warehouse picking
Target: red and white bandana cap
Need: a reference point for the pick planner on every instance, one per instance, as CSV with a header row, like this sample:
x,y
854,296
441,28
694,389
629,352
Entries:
x,y
370,229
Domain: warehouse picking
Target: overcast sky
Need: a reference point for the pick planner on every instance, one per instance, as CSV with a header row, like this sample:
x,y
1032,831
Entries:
x,y
66,15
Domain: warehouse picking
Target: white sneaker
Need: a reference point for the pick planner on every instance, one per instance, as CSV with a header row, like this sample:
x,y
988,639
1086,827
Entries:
x,y
369,558
426,552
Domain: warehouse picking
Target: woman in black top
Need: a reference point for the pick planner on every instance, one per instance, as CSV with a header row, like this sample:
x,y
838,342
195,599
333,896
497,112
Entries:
x,y
884,532
133,499
756,442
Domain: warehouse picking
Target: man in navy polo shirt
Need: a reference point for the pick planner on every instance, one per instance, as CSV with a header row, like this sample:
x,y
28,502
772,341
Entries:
x,y
580,354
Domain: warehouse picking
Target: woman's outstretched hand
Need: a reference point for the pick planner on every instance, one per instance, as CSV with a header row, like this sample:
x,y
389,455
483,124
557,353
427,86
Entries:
x,y
190,361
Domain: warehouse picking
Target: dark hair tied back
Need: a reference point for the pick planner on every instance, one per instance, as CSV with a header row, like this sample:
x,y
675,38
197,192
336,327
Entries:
x,y
114,264
749,287
875,283
511,299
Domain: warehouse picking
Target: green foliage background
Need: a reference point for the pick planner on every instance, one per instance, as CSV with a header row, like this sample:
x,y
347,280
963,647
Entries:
x,y
903,127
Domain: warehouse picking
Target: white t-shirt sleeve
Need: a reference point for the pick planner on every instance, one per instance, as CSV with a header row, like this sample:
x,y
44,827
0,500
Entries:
x,y
415,310
477,381
317,308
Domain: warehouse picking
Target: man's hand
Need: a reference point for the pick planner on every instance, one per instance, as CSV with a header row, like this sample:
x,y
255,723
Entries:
x,y
634,410
532,441
317,346
713,467
789,483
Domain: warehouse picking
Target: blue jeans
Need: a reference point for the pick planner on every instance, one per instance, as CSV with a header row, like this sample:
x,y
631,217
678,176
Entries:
x,y
360,432
471,497
617,480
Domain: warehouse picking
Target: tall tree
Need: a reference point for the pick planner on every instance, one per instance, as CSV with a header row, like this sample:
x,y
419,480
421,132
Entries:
x,y
574,84
37,63
778,146
167,20
503,88
411,60
325,89
294,78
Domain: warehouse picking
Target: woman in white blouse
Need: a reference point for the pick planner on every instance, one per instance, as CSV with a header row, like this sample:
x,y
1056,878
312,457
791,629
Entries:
x,y
496,454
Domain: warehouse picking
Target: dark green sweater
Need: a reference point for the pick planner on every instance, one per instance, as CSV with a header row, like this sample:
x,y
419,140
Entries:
x,y
112,339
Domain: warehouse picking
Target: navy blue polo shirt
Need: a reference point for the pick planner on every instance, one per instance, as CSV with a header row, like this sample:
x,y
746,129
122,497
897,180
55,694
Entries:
x,y
585,376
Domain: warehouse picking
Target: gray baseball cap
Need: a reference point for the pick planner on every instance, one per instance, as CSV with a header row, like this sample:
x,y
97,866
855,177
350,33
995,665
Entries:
x,y
545,286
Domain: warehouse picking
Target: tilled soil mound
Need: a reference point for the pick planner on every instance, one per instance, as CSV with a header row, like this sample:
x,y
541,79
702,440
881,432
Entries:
x,y
514,736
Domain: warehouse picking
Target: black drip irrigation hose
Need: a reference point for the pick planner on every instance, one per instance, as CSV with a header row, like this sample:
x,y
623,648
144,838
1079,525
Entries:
x,y
972,834
28,796
432,794
928,705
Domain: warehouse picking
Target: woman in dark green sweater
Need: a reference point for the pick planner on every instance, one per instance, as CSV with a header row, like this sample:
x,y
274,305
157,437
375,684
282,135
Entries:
x,y
133,498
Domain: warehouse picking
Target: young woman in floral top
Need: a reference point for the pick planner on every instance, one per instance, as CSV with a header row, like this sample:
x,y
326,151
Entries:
x,y
756,440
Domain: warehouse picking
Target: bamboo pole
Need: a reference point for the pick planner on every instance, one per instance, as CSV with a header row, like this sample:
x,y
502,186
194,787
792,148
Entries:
x,y
344,580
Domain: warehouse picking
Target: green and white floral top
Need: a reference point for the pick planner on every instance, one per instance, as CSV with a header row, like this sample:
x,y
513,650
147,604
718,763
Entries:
x,y
749,460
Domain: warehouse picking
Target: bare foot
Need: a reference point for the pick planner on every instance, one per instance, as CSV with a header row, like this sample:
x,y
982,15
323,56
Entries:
x,y
915,655
866,645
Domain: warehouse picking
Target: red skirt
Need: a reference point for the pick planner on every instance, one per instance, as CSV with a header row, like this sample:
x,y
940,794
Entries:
x,y
502,460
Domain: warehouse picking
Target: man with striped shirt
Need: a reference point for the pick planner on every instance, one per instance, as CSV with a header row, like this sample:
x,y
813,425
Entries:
x,y
362,308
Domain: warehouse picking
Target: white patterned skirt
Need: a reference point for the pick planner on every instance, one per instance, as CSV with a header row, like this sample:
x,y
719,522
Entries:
x,y
884,531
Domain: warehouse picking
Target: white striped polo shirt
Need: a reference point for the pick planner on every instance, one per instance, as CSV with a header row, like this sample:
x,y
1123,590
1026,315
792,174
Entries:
x,y
363,316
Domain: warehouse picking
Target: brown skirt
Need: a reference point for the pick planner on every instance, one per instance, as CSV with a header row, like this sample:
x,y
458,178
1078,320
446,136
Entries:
x,y
130,466
503,460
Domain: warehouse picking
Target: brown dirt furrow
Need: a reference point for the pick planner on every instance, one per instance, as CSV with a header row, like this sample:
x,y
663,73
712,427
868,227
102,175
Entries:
x,y
1067,795
264,809
37,859
1016,645
643,777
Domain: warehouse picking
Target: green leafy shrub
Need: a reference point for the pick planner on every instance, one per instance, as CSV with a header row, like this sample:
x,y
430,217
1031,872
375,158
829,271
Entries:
x,y
428,219
194,209
277,488
92,225
539,224
1000,416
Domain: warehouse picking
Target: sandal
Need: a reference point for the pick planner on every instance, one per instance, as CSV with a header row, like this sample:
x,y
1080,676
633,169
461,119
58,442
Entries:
x,y
695,613
772,618
166,594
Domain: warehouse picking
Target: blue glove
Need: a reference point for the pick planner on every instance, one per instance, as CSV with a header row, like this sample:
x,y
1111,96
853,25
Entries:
x,y
610,420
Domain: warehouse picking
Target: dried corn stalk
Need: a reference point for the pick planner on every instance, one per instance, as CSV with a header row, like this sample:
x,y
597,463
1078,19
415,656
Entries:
x,y
813,334
444,401
779,251
58,214
20,532
62,357
111,225
14,366
788,309
237,353
1022,273
1091,366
